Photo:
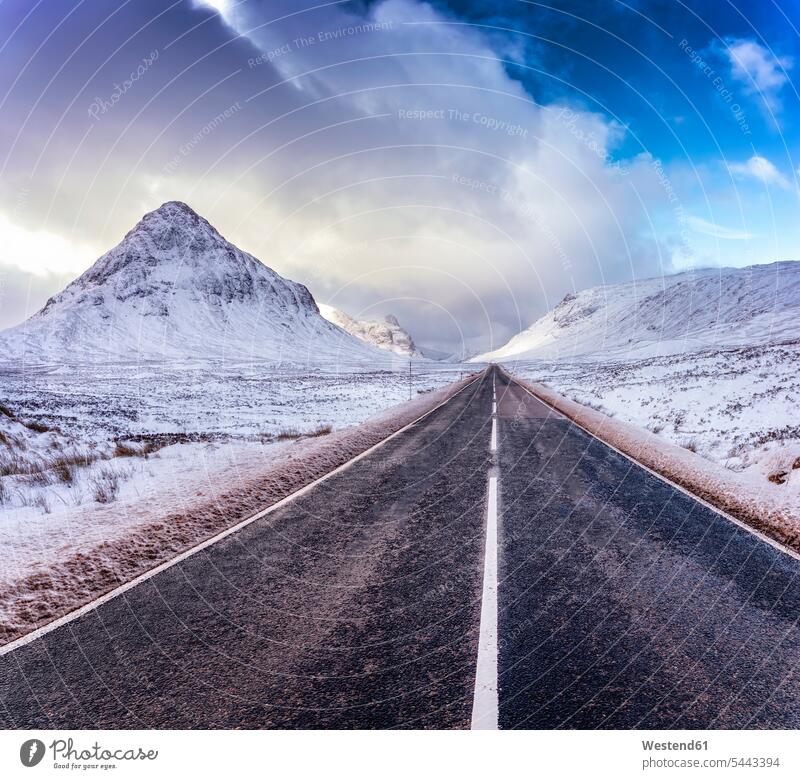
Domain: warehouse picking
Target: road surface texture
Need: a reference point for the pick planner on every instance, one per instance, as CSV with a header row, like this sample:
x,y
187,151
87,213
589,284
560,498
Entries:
x,y
621,601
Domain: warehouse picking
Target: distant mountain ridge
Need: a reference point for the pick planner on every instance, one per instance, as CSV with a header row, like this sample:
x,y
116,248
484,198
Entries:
x,y
175,288
666,315
387,334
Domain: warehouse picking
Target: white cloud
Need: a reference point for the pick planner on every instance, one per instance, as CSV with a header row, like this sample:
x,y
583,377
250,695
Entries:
x,y
717,231
761,72
40,252
760,168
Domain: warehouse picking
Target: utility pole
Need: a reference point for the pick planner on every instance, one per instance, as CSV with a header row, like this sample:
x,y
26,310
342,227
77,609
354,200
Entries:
x,y
409,377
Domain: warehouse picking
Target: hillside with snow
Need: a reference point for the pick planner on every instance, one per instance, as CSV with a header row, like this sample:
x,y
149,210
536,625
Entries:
x,y
174,288
387,334
666,315
707,360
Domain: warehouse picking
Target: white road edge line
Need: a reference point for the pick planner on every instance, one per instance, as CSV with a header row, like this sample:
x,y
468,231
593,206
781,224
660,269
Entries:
x,y
485,709
757,533
117,591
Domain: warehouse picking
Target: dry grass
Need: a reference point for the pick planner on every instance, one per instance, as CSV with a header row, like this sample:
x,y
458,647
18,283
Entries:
x,y
64,471
779,477
37,427
123,449
34,471
292,433
39,476
105,485
46,470
41,502
690,444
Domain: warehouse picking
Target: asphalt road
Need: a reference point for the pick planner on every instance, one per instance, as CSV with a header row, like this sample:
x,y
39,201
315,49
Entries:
x,y
622,602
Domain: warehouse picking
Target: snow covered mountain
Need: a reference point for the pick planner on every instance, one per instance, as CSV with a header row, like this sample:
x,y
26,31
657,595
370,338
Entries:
x,y
387,334
667,315
174,288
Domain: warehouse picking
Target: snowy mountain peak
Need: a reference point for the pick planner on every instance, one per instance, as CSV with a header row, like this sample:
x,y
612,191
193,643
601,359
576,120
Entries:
x,y
172,217
174,235
174,211
388,334
174,249
175,287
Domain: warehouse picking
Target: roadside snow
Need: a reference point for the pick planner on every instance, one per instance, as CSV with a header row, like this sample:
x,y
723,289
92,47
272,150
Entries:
x,y
172,480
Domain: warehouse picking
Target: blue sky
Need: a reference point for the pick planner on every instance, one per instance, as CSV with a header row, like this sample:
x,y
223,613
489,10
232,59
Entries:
x,y
461,164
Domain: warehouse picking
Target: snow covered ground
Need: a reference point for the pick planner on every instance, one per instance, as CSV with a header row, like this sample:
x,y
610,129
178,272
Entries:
x,y
59,425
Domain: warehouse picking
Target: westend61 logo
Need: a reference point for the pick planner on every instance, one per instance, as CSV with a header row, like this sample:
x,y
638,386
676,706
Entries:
x,y
66,755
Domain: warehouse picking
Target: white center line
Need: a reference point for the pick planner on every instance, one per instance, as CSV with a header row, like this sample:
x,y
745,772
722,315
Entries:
x,y
485,713
493,444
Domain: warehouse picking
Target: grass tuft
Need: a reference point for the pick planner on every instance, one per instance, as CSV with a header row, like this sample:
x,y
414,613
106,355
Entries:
x,y
37,427
105,485
122,449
